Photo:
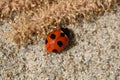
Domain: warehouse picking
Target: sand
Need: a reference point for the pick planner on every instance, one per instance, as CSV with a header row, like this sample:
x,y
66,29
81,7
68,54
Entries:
x,y
94,56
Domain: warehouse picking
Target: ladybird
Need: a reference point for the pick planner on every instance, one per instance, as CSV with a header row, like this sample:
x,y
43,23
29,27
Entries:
x,y
57,40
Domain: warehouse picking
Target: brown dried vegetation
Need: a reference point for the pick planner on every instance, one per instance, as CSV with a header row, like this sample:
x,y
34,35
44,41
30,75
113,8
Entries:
x,y
31,19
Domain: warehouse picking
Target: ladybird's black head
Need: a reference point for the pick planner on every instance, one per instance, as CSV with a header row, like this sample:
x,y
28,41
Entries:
x,y
66,31
71,36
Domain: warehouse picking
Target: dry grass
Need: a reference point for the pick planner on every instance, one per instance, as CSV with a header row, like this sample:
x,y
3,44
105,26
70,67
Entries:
x,y
31,19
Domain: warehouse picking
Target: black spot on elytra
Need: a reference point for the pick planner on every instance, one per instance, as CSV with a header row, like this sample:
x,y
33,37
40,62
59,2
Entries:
x,y
54,50
46,41
59,43
52,36
62,34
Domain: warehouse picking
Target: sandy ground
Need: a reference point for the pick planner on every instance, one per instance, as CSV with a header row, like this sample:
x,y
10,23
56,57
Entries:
x,y
95,56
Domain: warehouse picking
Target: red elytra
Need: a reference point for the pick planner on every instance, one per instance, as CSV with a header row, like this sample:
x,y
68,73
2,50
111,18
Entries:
x,y
57,40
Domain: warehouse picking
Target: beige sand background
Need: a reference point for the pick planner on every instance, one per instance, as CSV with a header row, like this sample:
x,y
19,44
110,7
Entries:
x,y
95,56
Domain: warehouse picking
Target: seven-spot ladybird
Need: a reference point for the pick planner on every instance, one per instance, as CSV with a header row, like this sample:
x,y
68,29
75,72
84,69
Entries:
x,y
57,40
